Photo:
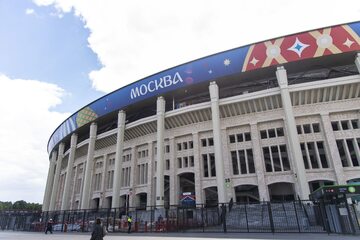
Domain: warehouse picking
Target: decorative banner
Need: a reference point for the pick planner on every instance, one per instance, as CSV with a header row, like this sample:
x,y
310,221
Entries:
x,y
312,44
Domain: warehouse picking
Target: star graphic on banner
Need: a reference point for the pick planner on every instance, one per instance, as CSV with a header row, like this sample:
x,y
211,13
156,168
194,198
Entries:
x,y
254,61
348,42
227,62
298,47
210,71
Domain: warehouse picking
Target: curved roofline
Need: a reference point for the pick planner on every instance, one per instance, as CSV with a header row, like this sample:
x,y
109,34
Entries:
x,y
143,80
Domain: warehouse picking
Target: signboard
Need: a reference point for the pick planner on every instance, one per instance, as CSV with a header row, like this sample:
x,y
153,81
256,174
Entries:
x,y
306,45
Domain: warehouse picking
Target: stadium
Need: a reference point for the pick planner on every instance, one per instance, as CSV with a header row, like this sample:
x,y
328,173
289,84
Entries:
x,y
269,121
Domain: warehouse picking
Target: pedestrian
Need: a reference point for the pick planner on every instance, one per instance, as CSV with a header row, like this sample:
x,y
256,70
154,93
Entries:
x,y
98,231
49,226
129,220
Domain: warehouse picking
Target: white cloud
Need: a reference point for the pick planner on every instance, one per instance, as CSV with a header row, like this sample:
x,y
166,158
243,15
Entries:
x,y
26,124
134,39
29,11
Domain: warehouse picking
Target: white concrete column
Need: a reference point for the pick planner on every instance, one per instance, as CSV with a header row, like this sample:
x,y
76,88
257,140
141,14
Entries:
x,y
49,182
133,177
160,113
330,144
259,163
292,136
357,61
103,181
198,170
118,160
54,191
150,177
85,200
174,192
73,188
219,163
69,173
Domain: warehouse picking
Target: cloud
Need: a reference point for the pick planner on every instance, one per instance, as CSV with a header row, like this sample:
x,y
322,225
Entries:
x,y
134,39
29,11
27,122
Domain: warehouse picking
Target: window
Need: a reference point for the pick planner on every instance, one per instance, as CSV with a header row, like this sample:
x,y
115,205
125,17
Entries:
x,y
303,151
335,126
271,133
242,162
167,148
316,127
350,145
203,142
312,155
179,162
205,164
185,145
284,158
276,158
322,154
280,132
167,164
263,134
250,159
298,128
345,125
211,142
232,138
234,162
186,162
355,123
212,165
342,154
267,159
247,136
191,161
179,146
239,137
191,145
307,128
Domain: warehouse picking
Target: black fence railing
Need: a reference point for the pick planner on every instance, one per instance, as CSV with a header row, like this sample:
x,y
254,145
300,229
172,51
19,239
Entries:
x,y
272,217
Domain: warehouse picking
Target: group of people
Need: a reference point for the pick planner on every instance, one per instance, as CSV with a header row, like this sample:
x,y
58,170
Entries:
x,y
98,232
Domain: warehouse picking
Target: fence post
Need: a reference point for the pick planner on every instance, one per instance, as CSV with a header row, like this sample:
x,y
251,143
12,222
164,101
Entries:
x,y
296,215
83,221
63,221
202,217
223,216
270,217
246,217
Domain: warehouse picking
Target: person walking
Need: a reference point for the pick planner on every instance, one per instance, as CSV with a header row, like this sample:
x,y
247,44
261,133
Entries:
x,y
98,231
129,221
49,226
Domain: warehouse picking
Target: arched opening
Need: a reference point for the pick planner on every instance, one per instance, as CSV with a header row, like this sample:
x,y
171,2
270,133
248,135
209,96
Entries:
x,y
247,194
141,201
187,189
211,197
95,203
313,185
281,191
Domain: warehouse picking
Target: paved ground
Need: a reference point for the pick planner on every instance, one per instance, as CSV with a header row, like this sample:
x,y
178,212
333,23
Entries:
x,y
9,235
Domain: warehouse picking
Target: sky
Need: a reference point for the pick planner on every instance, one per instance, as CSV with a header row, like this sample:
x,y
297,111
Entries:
x,y
57,56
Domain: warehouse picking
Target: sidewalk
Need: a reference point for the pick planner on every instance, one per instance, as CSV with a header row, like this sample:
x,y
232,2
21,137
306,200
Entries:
x,y
9,235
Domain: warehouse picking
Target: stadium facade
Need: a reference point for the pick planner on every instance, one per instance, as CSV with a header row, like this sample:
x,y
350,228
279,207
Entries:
x,y
273,120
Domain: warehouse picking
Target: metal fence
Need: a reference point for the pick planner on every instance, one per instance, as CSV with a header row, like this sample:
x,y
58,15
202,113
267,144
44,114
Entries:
x,y
296,216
